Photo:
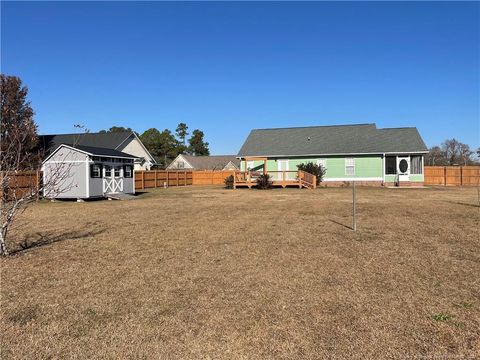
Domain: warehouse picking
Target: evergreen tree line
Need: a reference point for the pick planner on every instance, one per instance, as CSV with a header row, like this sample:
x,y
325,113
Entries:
x,y
166,145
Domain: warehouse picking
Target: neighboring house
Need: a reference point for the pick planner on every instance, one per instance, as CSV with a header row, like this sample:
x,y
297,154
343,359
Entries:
x,y
348,152
84,172
216,162
126,142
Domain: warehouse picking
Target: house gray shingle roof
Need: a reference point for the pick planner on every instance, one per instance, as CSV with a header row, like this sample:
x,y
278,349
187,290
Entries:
x,y
330,140
109,140
214,162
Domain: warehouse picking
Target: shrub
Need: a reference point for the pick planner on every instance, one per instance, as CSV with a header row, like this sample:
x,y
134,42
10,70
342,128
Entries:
x,y
264,182
314,169
229,182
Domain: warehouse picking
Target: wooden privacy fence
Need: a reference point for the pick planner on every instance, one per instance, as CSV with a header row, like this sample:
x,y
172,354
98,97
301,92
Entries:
x,y
452,175
147,179
18,184
211,177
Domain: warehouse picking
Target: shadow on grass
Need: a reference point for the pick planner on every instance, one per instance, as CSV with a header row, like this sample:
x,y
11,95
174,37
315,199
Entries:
x,y
339,223
461,203
44,239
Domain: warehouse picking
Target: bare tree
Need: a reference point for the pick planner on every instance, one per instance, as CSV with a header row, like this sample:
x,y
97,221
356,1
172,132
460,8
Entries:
x,y
435,157
20,159
456,153
465,154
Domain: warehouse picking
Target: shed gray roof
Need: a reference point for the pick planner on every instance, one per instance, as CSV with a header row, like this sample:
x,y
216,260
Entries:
x,y
109,140
330,140
96,151
214,162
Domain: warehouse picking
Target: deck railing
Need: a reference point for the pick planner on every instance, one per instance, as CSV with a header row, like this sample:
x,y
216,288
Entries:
x,y
307,179
279,178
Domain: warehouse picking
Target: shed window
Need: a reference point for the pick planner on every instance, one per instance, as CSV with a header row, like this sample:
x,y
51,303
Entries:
x,y
108,171
349,166
117,171
180,164
95,171
390,165
127,172
416,164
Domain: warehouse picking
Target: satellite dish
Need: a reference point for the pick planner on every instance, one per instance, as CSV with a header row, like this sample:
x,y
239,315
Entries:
x,y
403,166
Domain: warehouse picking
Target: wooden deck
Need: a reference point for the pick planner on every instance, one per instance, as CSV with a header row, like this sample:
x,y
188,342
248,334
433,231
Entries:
x,y
300,179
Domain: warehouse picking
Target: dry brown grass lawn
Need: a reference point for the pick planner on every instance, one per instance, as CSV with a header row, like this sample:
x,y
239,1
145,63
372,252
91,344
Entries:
x,y
203,272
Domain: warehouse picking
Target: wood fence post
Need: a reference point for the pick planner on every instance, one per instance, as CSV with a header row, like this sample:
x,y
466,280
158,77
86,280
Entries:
x,y
155,179
184,177
168,180
445,176
461,175
143,180
177,177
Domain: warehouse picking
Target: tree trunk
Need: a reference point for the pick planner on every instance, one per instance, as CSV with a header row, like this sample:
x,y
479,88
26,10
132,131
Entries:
x,y
3,246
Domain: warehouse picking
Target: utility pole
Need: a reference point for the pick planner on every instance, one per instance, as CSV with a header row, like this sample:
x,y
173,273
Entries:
x,y
354,227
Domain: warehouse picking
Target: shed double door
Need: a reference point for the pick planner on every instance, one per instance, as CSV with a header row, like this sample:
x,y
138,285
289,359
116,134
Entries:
x,y
112,179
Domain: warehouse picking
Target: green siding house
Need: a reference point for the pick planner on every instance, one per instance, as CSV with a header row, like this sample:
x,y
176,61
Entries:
x,y
360,152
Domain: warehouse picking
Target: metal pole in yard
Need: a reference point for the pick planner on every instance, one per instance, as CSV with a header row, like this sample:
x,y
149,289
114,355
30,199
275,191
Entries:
x,y
354,207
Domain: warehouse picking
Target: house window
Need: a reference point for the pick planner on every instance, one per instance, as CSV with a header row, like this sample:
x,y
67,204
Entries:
x,y
322,163
180,164
95,171
127,172
108,171
416,164
390,165
250,165
117,171
349,166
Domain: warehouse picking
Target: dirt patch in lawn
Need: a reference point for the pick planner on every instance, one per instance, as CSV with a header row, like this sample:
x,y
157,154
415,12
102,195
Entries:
x,y
203,272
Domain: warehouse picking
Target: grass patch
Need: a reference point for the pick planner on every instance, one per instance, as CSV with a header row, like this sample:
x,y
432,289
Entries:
x,y
441,317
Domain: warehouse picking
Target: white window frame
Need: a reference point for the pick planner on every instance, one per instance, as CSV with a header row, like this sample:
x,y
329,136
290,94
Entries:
x,y
349,164
107,169
128,171
322,163
250,165
96,171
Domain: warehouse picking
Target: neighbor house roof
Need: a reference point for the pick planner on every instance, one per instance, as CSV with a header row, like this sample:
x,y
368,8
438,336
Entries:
x,y
331,140
109,140
214,162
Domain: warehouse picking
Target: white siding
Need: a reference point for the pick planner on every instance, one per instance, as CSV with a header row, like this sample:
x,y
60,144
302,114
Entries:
x,y
65,174
176,164
133,147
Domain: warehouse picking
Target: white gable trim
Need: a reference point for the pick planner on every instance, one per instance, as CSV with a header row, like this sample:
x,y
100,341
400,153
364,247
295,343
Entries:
x,y
68,147
231,163
83,152
177,158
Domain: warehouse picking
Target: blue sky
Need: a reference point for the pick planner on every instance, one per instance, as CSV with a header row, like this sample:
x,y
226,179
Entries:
x,y
229,67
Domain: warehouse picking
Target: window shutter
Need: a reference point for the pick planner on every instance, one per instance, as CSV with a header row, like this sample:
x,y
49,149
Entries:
x,y
91,171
